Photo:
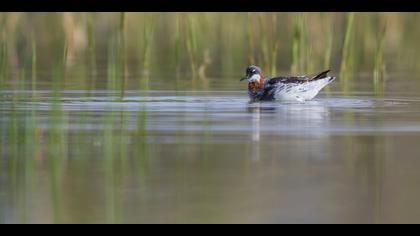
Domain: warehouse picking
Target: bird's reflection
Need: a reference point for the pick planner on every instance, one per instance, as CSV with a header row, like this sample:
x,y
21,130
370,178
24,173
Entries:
x,y
261,107
256,136
256,109
308,111
285,118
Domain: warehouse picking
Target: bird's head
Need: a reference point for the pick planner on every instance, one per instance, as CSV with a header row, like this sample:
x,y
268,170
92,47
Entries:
x,y
252,74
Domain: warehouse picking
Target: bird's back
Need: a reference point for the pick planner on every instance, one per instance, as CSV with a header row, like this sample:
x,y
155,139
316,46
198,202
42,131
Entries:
x,y
299,88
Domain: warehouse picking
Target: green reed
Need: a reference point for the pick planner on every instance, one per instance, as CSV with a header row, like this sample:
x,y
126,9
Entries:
x,y
191,44
296,44
33,68
379,64
329,29
301,61
250,40
202,44
264,42
275,43
116,67
177,42
122,57
328,49
148,37
177,50
3,61
346,62
347,56
111,66
92,70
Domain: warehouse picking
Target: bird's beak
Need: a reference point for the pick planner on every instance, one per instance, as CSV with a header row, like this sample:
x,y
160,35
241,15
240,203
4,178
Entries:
x,y
243,78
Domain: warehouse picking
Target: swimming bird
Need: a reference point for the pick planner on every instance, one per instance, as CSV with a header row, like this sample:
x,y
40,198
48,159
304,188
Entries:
x,y
285,88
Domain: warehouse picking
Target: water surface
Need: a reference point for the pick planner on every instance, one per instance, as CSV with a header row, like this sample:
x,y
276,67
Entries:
x,y
164,156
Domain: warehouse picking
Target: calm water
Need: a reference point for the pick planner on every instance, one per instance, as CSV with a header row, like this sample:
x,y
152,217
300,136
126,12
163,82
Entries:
x,y
208,157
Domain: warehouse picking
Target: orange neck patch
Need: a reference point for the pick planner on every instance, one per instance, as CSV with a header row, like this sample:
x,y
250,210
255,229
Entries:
x,y
255,86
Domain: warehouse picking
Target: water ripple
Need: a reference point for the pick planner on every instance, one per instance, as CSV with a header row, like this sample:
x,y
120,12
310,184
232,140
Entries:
x,y
221,113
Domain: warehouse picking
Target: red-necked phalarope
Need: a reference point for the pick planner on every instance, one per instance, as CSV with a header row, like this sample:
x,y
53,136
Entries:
x,y
286,88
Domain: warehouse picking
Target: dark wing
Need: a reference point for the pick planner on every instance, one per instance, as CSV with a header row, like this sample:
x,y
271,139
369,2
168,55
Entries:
x,y
297,79
288,80
321,75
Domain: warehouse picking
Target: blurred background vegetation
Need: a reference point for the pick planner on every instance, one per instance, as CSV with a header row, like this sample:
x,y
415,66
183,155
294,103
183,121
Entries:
x,y
71,151
183,50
